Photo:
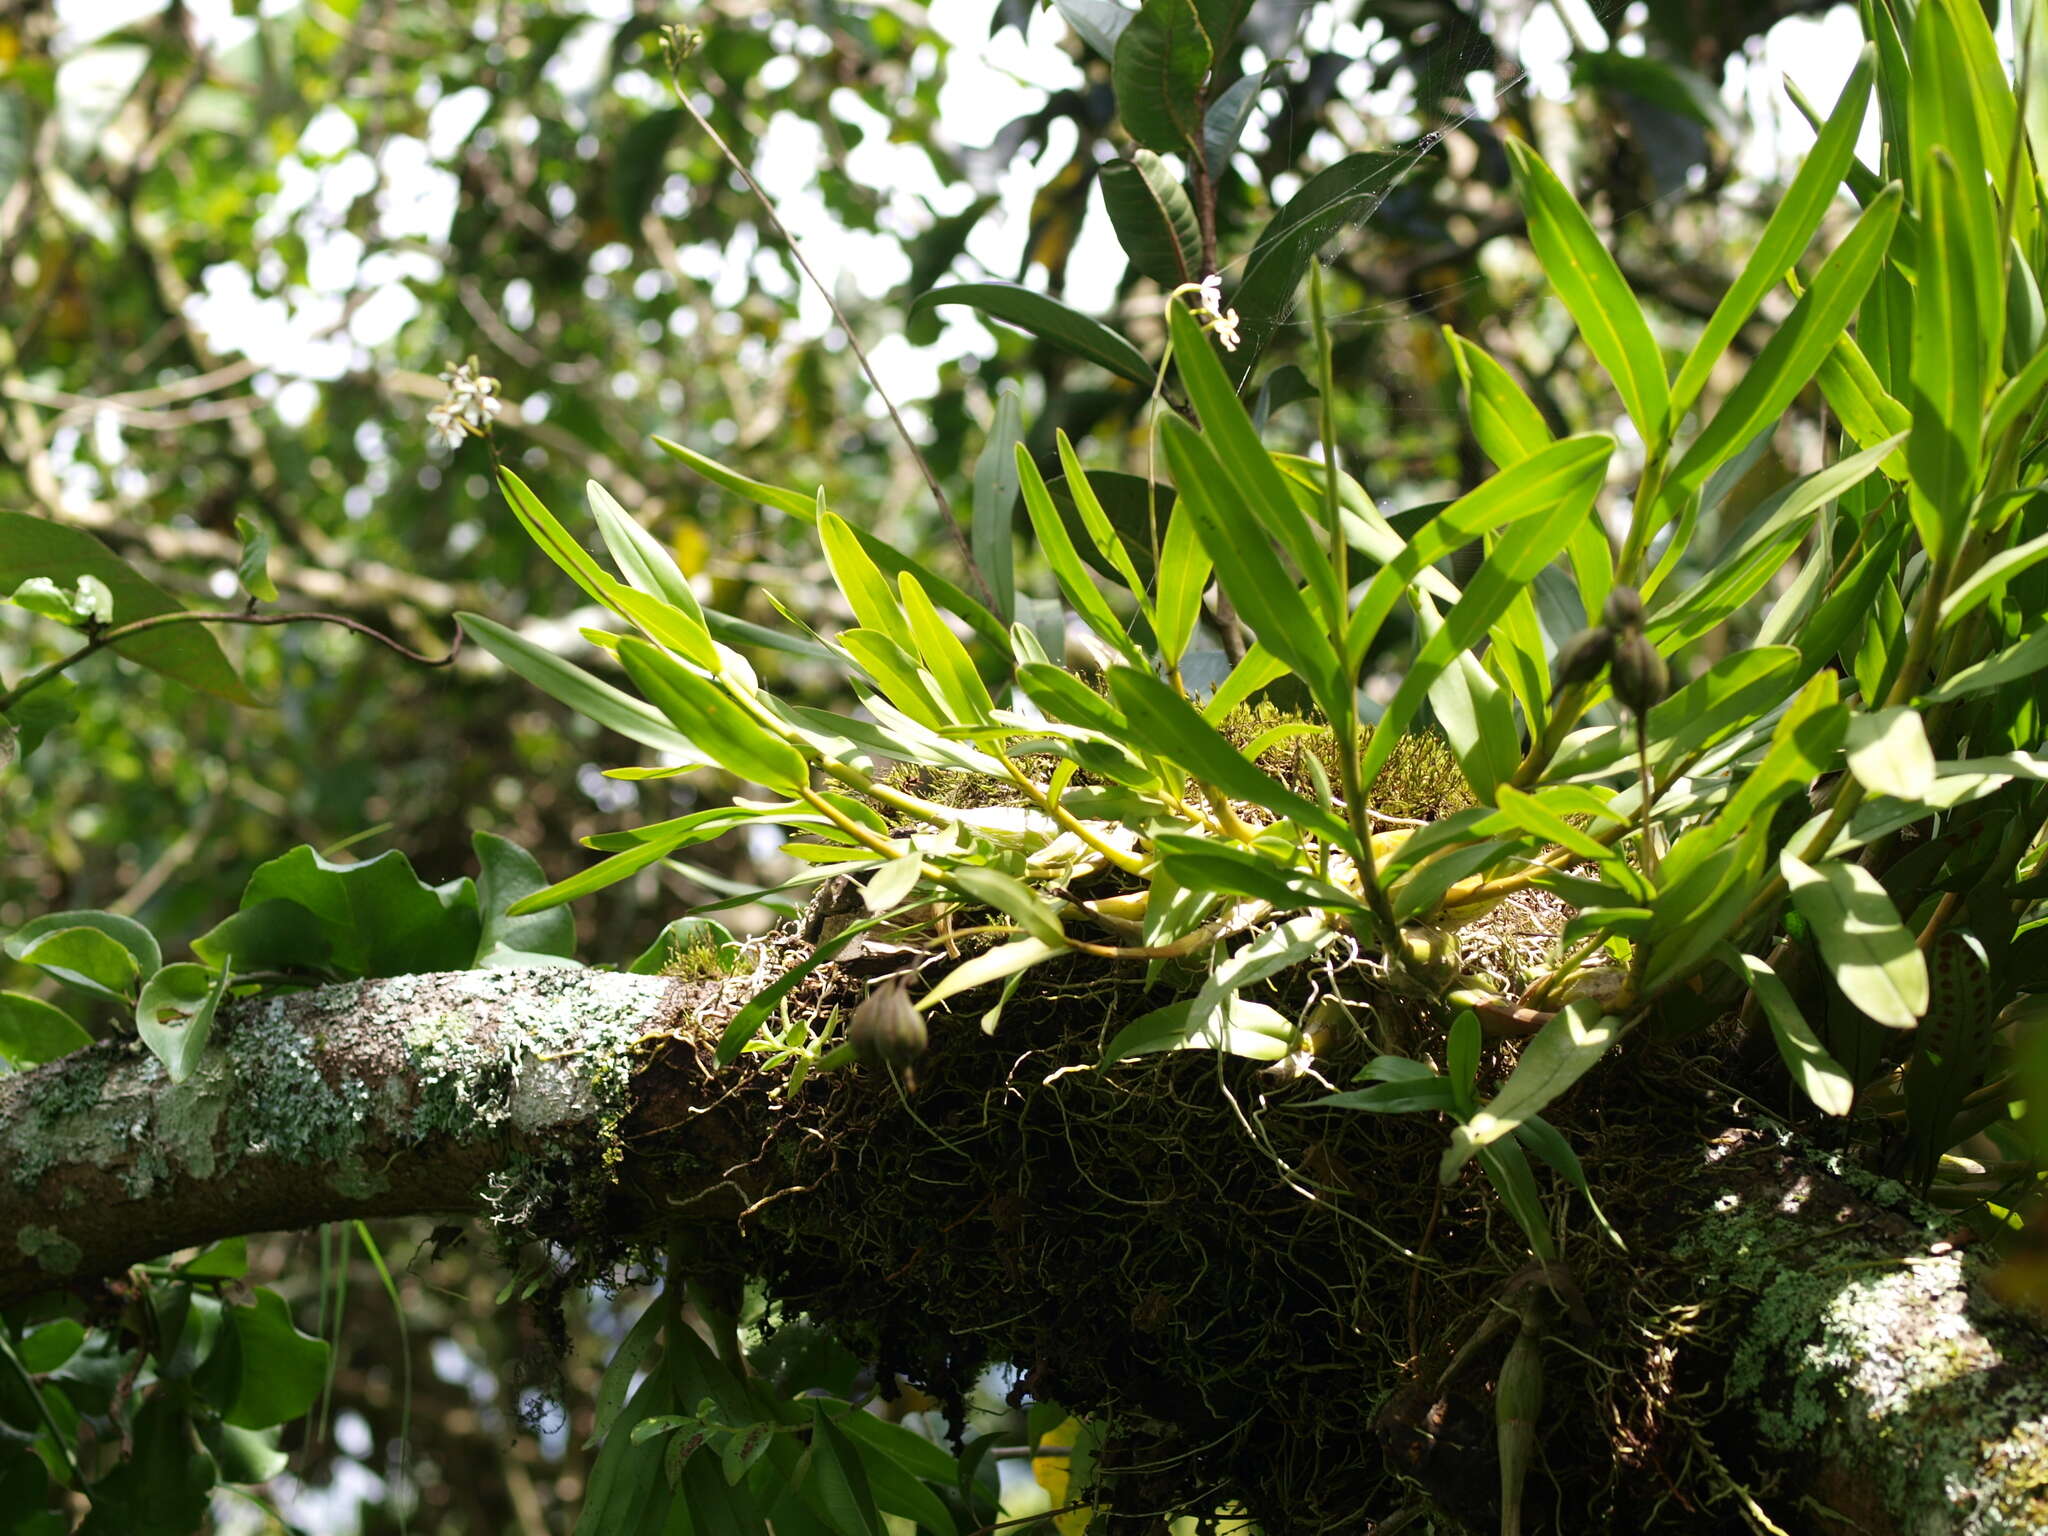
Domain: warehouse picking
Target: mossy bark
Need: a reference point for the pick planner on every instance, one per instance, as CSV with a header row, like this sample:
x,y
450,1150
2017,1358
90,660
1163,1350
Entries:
x,y
1782,1342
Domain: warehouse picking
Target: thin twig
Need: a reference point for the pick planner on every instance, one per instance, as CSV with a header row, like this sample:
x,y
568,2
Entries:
x,y
101,639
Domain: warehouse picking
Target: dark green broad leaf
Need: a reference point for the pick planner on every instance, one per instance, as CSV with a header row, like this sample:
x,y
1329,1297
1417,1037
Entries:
x,y
1674,88
277,1373
1046,318
640,164
839,1478
505,873
1342,194
1100,22
187,653
33,1031
24,726
243,1455
103,953
1154,221
1161,61
1229,115
174,1015
628,1489
253,568
163,1487
376,918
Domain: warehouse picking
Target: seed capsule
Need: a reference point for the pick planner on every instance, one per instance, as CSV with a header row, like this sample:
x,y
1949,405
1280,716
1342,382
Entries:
x,y
1640,677
1582,658
886,1028
1624,608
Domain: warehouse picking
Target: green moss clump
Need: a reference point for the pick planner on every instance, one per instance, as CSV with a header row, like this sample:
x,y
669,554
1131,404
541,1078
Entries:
x,y
1421,781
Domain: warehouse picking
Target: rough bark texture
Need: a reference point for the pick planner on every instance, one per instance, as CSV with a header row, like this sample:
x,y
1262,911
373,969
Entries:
x,y
1824,1348
399,1097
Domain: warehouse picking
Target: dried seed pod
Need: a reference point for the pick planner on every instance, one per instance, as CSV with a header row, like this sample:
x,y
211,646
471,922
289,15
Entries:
x,y
1640,677
886,1028
1624,608
1582,658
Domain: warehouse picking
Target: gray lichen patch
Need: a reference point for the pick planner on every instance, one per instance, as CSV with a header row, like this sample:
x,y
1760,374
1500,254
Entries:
x,y
334,1080
1872,1344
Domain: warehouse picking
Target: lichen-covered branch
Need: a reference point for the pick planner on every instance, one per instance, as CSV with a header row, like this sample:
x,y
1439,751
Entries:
x,y
1252,1292
408,1095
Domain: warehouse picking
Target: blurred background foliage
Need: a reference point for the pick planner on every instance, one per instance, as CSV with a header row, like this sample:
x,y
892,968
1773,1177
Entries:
x,y
239,240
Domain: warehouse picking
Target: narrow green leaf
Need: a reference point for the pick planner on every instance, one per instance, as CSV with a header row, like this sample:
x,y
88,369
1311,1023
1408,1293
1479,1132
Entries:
x,y
1505,422
1787,235
1251,573
1229,433
1011,959
1011,897
1546,507
589,696
1067,568
1535,485
861,581
1166,723
799,506
1868,951
2021,659
965,695
1948,364
1798,346
995,500
1161,62
1989,579
554,540
1780,524
1556,1057
1820,1077
1591,286
1204,863
713,720
1044,317
1184,570
1095,520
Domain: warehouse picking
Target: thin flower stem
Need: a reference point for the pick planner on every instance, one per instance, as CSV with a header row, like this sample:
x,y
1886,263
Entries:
x,y
852,337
